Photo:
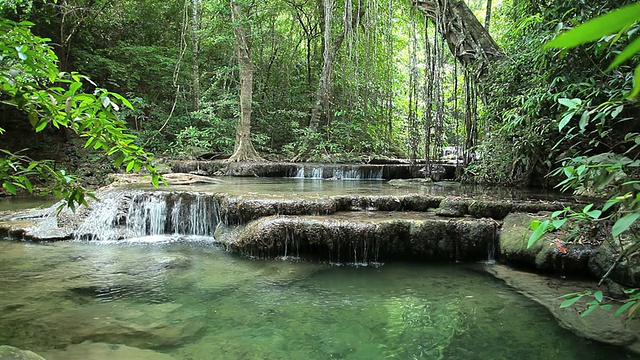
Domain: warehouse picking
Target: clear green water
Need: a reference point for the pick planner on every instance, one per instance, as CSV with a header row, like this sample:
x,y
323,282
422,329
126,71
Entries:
x,y
279,187
182,298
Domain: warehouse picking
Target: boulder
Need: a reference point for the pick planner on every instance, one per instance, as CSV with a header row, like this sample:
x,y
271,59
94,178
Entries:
x,y
627,269
544,254
453,207
361,236
13,353
104,351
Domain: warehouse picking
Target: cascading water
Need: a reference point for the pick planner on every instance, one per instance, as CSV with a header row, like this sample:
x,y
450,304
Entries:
x,y
340,172
135,214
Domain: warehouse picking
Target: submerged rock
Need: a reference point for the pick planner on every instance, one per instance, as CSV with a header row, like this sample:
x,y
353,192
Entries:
x,y
13,353
599,325
104,351
544,254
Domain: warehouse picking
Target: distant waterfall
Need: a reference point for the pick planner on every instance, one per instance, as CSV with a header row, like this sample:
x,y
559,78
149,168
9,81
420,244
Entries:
x,y
340,172
123,214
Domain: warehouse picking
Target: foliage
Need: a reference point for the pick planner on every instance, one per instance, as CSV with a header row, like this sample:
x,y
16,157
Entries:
x,y
31,83
608,165
523,91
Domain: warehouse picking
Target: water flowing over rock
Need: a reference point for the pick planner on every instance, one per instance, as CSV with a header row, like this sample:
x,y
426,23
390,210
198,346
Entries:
x,y
125,214
368,238
339,228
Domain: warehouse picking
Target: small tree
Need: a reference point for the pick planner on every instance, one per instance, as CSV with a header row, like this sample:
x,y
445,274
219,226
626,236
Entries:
x,y
30,82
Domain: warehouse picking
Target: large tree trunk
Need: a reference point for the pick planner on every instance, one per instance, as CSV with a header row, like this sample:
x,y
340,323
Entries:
x,y
244,150
467,39
323,93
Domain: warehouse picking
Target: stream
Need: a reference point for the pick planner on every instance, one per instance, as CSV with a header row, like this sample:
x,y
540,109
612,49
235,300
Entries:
x,y
183,297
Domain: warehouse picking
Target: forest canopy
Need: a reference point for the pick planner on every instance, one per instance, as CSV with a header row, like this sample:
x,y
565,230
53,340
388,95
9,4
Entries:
x,y
351,80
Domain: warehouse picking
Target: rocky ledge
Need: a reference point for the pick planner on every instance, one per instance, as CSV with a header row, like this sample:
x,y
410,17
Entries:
x,y
599,325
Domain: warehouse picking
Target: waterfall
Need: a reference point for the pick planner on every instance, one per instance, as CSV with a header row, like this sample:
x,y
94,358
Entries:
x,y
122,214
340,172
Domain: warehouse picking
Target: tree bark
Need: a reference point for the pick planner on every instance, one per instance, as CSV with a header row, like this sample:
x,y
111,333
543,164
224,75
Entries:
x,y
244,150
467,39
195,70
323,94
487,18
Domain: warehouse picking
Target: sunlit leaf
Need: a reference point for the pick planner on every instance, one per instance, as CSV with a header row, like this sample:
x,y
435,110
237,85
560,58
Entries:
x,y
629,51
596,28
570,301
636,83
537,234
9,187
570,103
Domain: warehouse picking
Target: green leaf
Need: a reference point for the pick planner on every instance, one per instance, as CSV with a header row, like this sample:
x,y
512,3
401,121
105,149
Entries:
x,y
609,204
598,295
626,53
618,110
570,103
570,301
624,307
584,120
154,180
594,214
42,125
565,120
596,28
9,186
624,223
589,310
130,165
558,223
537,234
636,83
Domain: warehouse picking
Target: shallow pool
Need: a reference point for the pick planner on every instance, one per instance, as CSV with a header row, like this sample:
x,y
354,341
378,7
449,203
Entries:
x,y
176,297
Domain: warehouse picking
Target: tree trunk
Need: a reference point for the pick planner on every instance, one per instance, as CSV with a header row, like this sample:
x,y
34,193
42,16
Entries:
x,y
195,69
467,39
487,18
244,150
323,94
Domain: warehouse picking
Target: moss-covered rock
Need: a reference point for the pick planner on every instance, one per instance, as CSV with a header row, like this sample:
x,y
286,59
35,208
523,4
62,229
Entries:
x,y
453,207
380,237
627,269
13,353
240,210
490,209
198,167
544,254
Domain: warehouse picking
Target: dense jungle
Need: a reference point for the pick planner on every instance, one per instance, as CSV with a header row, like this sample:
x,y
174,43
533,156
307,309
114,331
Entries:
x,y
512,94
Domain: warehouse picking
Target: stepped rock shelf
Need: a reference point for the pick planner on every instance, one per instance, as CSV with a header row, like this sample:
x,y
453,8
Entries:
x,y
334,221
336,227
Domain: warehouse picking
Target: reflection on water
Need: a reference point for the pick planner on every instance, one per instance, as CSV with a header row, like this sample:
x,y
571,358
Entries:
x,y
278,187
171,297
